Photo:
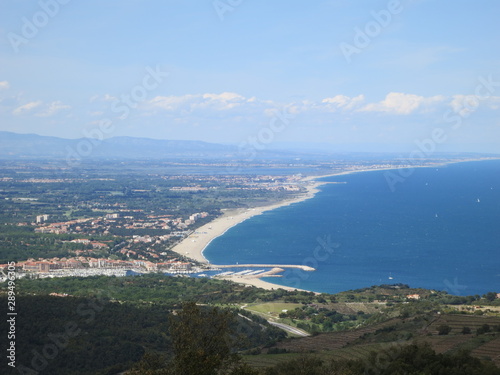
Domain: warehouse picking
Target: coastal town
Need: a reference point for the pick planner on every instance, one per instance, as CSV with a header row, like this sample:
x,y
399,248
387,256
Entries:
x,y
147,253
125,238
85,266
139,254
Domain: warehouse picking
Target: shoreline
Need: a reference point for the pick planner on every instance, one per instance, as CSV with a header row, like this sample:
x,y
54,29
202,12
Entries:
x,y
195,244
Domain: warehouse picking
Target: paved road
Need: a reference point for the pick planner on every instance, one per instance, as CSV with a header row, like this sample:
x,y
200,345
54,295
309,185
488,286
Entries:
x,y
286,327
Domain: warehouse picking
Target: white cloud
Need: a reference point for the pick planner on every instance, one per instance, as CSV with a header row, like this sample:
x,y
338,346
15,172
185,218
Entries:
x,y
343,102
233,105
189,103
26,108
464,105
224,101
327,105
109,98
52,109
102,98
172,103
4,85
224,97
402,104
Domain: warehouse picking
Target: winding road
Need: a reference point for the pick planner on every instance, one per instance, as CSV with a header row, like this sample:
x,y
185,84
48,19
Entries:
x,y
285,327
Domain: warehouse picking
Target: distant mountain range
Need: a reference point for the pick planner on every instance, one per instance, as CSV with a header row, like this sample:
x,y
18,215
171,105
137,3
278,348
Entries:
x,y
33,146
13,145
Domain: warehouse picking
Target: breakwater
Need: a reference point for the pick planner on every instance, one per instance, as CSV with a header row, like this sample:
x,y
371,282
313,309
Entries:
x,y
303,268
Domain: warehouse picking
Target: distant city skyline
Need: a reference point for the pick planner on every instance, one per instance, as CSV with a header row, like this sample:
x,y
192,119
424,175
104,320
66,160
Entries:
x,y
393,73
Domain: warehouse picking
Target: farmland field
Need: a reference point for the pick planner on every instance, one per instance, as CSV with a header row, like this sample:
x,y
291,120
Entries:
x,y
272,309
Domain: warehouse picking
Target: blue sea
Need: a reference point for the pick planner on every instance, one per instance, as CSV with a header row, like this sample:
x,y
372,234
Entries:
x,y
436,228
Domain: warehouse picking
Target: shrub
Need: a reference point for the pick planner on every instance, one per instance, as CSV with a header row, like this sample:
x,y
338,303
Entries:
x,y
444,329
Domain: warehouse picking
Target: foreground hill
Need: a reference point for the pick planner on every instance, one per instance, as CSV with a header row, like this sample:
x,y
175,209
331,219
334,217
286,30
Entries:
x,y
105,325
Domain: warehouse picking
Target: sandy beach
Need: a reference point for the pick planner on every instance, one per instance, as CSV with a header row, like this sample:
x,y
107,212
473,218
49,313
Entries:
x,y
255,281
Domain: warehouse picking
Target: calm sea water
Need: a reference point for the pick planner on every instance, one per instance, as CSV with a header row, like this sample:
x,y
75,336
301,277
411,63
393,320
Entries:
x,y
439,229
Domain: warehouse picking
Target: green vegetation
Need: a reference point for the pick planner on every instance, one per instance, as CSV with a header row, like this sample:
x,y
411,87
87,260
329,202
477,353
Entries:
x,y
320,319
127,322
21,243
159,289
444,329
403,360
97,336
272,309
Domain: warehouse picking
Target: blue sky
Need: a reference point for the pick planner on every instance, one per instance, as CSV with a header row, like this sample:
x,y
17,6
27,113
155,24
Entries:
x,y
344,72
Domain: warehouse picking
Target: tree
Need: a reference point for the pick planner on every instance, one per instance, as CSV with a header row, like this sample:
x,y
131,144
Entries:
x,y
150,364
485,328
444,329
201,340
490,296
243,369
466,330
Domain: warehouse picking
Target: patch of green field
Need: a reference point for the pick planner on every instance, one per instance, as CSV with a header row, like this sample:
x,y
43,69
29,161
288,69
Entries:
x,y
272,309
